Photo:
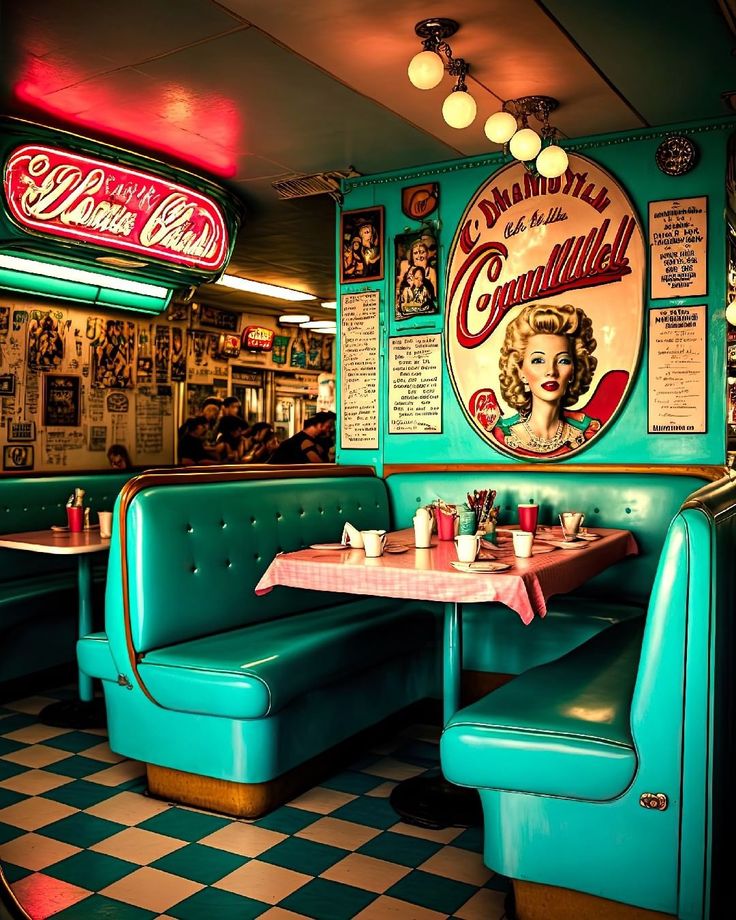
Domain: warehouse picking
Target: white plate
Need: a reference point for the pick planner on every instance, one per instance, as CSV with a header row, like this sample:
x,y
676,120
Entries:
x,y
480,568
329,546
589,537
562,545
395,548
60,528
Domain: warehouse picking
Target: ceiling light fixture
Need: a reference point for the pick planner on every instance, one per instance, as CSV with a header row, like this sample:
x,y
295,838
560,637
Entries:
x,y
293,319
538,150
329,304
325,324
427,68
266,290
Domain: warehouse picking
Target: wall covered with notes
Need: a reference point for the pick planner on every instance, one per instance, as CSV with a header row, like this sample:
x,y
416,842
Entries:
x,y
622,256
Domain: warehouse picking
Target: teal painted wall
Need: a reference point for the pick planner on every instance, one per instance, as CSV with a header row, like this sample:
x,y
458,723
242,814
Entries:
x,y
630,159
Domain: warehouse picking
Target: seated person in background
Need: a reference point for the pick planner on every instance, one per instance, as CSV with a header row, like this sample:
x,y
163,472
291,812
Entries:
x,y
261,446
305,447
230,406
230,439
210,411
192,451
118,457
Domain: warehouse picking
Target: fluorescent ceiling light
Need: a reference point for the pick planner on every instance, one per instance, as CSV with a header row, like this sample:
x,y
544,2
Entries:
x,y
318,324
267,290
296,319
61,272
330,304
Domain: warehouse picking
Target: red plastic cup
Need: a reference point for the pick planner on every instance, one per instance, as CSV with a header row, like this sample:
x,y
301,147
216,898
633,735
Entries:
x,y
75,517
445,525
528,515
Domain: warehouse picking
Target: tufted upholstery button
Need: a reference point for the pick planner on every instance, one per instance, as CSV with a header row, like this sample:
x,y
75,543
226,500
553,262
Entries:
x,y
228,564
627,510
194,570
360,507
252,520
596,510
339,509
190,529
321,510
223,524
279,516
302,512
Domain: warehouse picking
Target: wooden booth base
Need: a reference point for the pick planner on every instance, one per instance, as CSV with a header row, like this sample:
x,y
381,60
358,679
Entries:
x,y
545,902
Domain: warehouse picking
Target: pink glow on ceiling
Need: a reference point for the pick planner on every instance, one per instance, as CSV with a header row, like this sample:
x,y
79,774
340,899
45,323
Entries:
x,y
175,124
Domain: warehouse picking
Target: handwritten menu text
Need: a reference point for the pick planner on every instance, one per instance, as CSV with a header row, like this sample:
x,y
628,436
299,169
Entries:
x,y
678,242
677,391
359,370
415,384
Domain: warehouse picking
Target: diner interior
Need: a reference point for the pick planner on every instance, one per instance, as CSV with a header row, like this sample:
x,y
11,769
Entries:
x,y
438,622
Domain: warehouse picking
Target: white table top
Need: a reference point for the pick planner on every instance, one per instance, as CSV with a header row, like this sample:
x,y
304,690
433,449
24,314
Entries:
x,y
56,542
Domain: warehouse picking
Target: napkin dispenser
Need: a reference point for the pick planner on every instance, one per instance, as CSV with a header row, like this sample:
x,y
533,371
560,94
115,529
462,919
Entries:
x,y
351,536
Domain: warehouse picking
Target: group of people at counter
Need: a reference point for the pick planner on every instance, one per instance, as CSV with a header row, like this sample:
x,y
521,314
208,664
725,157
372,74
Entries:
x,y
219,434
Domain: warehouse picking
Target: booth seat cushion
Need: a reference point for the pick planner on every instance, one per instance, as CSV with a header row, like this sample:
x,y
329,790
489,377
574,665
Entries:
x,y
560,729
254,671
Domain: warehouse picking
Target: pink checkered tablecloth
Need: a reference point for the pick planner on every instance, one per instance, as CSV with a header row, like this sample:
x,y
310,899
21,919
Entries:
x,y
427,574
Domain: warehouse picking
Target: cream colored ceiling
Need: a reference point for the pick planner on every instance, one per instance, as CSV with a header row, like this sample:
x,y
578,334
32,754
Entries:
x,y
250,91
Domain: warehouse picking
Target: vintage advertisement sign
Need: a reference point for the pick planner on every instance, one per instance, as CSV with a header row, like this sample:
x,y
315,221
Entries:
x,y
72,196
678,242
545,308
677,374
257,338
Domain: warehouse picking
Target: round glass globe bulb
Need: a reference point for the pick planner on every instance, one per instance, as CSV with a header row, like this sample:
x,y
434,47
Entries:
x,y
731,313
551,162
525,144
426,70
459,109
500,127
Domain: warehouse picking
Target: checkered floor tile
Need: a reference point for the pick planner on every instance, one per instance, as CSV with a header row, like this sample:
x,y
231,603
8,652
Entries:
x,y
79,838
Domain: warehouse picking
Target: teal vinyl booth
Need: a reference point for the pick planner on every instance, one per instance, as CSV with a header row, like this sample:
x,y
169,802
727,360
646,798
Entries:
x,y
606,772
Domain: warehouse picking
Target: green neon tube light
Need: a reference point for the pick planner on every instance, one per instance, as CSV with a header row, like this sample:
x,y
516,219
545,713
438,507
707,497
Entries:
x,y
33,276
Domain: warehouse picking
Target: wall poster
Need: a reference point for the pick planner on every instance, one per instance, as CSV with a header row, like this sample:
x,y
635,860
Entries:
x,y
415,259
539,359
62,403
359,344
678,244
677,375
415,384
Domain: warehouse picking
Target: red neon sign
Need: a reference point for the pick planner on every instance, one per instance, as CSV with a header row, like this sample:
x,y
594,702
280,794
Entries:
x,y
257,338
64,194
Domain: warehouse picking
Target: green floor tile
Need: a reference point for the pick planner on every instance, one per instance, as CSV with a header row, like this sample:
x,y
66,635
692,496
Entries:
x,y
355,783
303,856
9,798
8,832
369,810
211,902
91,870
287,820
328,900
14,722
184,824
81,794
471,839
421,753
81,830
7,746
14,873
200,863
400,848
8,769
77,767
432,891
102,908
75,742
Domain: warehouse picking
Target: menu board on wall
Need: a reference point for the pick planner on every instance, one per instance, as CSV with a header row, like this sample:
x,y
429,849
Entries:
x,y
415,384
678,238
677,376
359,370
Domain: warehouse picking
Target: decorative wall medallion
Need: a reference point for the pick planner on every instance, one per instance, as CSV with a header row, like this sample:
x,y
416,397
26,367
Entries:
x,y
676,155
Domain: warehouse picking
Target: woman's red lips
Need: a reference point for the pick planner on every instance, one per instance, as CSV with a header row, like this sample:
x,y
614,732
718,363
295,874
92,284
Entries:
x,y
551,385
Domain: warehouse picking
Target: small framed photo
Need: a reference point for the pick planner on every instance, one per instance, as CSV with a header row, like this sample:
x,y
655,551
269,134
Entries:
x,y
415,259
361,233
62,403
228,345
7,384
17,457
21,431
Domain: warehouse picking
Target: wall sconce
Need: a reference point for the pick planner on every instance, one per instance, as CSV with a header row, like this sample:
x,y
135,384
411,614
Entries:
x,y
536,149
427,68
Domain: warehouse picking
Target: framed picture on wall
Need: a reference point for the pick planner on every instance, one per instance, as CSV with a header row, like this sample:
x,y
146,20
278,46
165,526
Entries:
x,y
62,404
415,258
18,457
361,233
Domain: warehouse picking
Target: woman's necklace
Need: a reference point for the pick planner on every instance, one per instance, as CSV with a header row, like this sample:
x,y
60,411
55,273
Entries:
x,y
544,444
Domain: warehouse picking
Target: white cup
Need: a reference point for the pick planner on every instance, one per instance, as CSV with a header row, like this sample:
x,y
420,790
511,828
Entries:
x,y
467,546
422,530
351,535
374,542
523,540
105,524
571,521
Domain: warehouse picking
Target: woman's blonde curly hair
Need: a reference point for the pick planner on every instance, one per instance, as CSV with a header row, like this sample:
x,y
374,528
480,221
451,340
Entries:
x,y
541,319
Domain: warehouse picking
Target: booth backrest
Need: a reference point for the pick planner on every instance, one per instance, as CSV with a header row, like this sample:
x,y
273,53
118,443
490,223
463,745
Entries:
x,y
196,548
643,503
36,502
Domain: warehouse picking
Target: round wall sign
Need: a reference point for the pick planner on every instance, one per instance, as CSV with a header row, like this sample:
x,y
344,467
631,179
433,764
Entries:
x,y
676,155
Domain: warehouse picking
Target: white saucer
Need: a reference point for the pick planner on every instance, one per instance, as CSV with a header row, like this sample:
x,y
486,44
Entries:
x,y
480,568
329,546
562,545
